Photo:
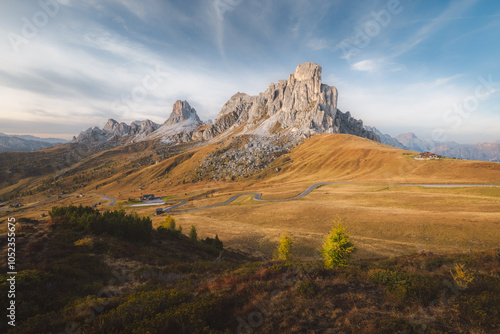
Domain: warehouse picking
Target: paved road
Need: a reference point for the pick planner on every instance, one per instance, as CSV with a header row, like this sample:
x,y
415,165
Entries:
x,y
113,200
258,196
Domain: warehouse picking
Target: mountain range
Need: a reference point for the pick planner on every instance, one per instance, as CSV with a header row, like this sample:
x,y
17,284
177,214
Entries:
x,y
27,143
409,141
294,109
297,108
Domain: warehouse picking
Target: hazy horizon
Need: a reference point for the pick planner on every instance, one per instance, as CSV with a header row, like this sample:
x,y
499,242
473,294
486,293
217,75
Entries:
x,y
426,67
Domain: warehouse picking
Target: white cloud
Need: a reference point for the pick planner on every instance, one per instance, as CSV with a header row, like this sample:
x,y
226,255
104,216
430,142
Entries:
x,y
441,81
365,66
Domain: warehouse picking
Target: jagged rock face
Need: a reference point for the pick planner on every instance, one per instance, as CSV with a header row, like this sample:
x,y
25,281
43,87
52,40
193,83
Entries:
x,y
92,135
301,106
114,134
182,111
117,129
142,129
137,128
181,124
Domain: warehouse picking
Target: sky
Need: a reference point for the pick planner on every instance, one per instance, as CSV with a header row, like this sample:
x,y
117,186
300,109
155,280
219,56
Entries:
x,y
430,67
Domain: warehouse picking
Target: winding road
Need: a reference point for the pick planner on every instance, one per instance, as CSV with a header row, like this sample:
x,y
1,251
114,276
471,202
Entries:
x,y
258,196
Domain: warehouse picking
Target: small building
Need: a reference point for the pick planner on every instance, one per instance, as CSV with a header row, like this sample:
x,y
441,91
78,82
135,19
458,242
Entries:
x,y
149,197
159,211
427,156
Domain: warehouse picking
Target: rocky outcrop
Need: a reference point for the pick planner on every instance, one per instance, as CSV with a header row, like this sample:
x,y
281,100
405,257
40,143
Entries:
x,y
92,135
300,106
139,129
182,111
117,133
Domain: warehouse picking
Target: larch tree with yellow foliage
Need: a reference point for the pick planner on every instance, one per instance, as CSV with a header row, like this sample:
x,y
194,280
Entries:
x,y
337,248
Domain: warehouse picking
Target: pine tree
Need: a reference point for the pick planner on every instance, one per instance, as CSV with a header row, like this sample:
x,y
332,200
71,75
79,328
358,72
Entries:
x,y
192,234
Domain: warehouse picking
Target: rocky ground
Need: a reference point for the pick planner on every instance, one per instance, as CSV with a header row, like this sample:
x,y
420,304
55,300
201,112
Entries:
x,y
244,156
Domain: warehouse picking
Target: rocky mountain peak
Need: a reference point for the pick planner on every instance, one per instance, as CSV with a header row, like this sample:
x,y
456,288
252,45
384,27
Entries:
x,y
182,111
110,124
300,107
307,71
117,129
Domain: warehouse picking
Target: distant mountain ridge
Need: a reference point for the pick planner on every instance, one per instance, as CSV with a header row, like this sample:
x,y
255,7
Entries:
x,y
410,141
26,143
386,139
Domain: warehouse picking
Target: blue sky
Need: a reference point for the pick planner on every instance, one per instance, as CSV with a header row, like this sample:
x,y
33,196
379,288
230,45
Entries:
x,y
431,67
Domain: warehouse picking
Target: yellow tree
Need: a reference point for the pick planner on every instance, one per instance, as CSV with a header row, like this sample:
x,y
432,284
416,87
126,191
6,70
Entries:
x,y
283,252
337,248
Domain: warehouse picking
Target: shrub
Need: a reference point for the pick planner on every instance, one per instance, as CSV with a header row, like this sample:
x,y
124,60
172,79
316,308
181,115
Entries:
x,y
462,276
85,242
337,248
480,310
283,251
406,286
307,287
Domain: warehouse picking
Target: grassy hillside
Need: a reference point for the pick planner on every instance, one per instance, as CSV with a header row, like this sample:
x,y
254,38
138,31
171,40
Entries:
x,y
387,219
346,157
157,167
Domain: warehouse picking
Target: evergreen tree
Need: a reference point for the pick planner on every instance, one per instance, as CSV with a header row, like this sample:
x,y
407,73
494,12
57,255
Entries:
x,y
192,234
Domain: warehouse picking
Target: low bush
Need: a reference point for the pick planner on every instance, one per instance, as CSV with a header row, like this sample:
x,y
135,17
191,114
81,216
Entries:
x,y
405,286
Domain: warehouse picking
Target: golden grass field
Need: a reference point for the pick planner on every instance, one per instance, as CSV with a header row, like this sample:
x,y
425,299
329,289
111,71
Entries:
x,y
383,218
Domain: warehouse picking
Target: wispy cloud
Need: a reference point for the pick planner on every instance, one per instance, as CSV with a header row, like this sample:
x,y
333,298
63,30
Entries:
x,y
94,52
454,10
318,44
220,8
367,65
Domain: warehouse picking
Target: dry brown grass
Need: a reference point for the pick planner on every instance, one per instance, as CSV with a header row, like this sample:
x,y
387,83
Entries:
x,y
383,220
